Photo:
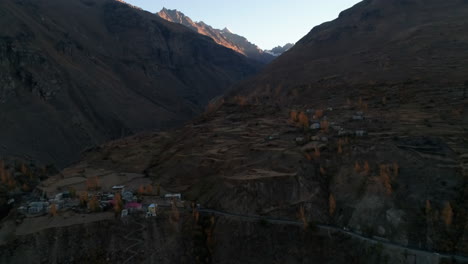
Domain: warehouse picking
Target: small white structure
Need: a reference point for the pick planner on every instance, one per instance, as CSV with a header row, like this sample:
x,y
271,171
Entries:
x,y
118,188
360,133
59,196
315,126
124,213
152,210
173,195
38,207
358,117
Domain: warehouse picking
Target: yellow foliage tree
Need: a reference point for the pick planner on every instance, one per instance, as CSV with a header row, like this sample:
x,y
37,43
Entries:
x,y
332,204
303,120
83,198
367,168
149,189
141,190
118,203
302,217
158,189
94,204
318,114
357,167
385,178
317,153
447,214
340,147
325,125
293,115
53,210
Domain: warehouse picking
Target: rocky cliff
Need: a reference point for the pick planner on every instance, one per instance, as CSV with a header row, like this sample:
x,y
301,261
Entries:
x,y
223,37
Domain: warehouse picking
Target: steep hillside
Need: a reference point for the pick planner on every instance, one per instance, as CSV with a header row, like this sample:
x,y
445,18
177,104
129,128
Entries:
x,y
377,41
111,71
223,37
362,126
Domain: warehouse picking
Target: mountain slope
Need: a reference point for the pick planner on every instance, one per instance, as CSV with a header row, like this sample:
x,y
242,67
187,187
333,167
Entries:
x,y
111,71
378,41
223,37
386,157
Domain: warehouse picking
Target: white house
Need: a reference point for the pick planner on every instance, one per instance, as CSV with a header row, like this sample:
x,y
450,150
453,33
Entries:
x,y
173,195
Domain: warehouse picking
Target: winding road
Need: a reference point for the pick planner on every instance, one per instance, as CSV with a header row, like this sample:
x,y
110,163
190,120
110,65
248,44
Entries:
x,y
137,241
388,244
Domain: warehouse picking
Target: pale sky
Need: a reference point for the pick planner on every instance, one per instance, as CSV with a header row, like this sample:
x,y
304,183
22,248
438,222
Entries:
x,y
266,23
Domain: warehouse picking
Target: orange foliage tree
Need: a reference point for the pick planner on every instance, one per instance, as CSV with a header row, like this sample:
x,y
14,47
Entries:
x,y
367,168
293,115
331,204
53,210
301,215
94,204
357,167
318,114
118,203
447,214
324,125
303,120
385,178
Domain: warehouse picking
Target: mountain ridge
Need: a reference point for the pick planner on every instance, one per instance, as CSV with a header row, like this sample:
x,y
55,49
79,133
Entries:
x,y
221,36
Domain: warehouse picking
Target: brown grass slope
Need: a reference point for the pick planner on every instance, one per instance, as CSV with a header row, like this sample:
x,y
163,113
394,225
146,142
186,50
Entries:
x,y
78,73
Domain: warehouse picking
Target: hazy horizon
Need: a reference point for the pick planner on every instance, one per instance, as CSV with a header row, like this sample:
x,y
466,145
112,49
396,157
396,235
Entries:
x,y
264,23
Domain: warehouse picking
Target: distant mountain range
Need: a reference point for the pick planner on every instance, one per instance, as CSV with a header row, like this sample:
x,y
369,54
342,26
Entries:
x,y
280,49
224,37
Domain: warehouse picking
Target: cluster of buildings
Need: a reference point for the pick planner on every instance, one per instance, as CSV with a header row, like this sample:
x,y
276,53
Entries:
x,y
99,201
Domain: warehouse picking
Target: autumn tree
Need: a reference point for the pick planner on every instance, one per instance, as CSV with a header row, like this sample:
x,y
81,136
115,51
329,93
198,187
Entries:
x,y
141,190
331,204
396,169
317,153
175,214
385,178
447,214
241,100
301,215
324,125
158,189
367,168
293,115
357,167
323,172
94,204
118,203
149,189
72,192
318,114
53,210
83,199
303,120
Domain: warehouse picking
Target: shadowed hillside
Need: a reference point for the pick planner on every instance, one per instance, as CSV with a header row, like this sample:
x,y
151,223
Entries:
x,y
111,71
